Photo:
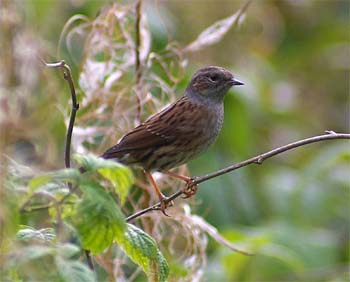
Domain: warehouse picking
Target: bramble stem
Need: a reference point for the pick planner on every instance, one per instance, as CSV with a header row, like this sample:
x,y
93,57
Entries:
x,y
67,152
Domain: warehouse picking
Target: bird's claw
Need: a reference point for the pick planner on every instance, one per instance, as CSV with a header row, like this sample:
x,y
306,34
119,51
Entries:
x,y
164,204
190,189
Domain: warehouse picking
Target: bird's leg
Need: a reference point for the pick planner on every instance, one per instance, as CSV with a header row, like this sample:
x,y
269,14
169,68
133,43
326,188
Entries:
x,y
178,176
190,188
163,200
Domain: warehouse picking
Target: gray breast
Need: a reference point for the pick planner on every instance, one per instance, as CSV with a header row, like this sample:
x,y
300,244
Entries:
x,y
208,128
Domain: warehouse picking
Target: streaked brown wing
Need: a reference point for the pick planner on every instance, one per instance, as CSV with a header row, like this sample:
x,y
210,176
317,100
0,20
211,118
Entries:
x,y
158,130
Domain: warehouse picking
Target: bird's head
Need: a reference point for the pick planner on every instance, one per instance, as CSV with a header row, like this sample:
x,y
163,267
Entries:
x,y
212,83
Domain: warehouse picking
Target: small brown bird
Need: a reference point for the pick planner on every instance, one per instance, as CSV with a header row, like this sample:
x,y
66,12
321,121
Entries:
x,y
181,131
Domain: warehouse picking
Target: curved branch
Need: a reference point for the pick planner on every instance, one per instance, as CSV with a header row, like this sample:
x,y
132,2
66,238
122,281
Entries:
x,y
330,135
138,67
75,107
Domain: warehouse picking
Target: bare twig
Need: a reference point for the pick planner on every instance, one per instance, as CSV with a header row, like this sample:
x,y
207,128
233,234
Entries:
x,y
89,260
330,135
138,68
75,107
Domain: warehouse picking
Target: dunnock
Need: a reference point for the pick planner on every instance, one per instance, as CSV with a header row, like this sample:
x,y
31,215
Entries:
x,y
181,131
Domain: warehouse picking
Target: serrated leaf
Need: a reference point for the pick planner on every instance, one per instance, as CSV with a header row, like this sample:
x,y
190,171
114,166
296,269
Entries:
x,y
27,233
71,270
93,163
121,178
162,267
119,175
97,219
143,250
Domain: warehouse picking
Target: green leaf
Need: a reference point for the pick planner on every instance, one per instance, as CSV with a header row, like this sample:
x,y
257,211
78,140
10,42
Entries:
x,y
55,188
9,216
67,174
119,175
97,219
29,253
143,250
71,270
66,210
39,257
28,233
93,163
121,178
38,181
68,250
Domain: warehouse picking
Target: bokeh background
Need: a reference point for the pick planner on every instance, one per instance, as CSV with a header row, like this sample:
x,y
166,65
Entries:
x,y
294,58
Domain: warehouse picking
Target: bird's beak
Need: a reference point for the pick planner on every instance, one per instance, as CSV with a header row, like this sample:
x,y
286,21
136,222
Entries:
x,y
237,82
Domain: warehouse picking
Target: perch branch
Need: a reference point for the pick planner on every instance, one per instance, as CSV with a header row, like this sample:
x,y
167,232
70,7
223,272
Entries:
x,y
330,135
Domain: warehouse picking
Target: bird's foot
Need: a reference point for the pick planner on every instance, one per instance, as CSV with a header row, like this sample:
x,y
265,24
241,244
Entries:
x,y
165,202
190,189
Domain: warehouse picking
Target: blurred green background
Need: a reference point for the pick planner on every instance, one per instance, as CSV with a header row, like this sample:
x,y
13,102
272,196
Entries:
x,y
294,58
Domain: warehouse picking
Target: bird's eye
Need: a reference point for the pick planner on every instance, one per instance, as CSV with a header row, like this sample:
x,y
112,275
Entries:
x,y
213,78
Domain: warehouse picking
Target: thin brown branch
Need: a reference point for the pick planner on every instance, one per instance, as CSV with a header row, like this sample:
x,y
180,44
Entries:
x,y
330,135
89,260
261,158
67,152
75,106
138,67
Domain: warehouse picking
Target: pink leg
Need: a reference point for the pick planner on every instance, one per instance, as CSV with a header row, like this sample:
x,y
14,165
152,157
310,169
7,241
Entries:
x,y
163,200
189,190
178,176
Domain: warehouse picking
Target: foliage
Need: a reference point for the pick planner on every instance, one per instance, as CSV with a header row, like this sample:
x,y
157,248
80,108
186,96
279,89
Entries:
x,y
32,261
119,175
95,218
98,219
142,249
292,212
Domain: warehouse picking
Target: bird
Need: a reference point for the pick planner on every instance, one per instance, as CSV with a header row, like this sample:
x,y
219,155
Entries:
x,y
180,132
